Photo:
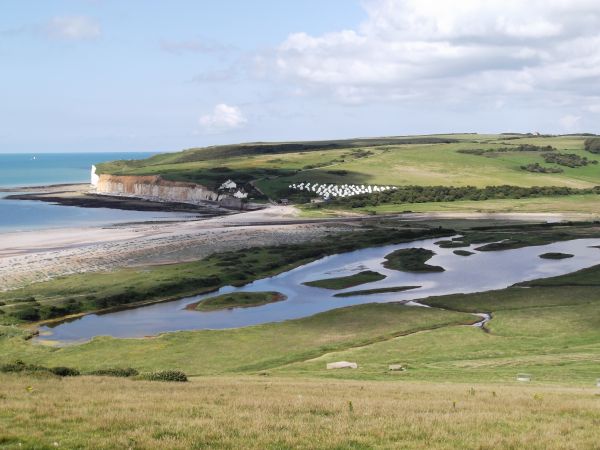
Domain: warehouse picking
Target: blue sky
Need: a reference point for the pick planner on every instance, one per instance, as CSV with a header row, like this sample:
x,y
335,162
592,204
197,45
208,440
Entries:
x,y
107,75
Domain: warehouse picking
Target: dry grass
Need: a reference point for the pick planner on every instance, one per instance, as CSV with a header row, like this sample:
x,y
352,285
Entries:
x,y
265,413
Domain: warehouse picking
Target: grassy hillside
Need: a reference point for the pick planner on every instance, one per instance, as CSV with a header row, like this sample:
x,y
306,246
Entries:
x,y
274,413
550,330
407,161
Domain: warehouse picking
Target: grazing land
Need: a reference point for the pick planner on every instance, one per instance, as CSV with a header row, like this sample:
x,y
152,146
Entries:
x,y
366,276
238,300
566,180
283,413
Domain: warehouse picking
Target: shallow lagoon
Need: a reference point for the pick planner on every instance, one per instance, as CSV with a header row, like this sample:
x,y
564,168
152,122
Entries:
x,y
480,272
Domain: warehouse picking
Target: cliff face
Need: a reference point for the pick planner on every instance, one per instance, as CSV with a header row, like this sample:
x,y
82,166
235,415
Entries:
x,y
157,189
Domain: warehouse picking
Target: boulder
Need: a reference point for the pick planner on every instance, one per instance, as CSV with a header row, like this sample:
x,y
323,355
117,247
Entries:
x,y
342,365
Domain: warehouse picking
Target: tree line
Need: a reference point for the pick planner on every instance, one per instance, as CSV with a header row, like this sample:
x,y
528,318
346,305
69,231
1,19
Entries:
x,y
426,194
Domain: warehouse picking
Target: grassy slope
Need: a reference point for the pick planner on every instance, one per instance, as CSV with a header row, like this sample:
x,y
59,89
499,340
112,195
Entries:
x,y
273,413
240,350
552,333
395,163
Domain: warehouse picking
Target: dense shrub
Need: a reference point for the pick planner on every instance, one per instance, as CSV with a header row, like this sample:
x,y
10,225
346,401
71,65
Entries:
x,y
537,168
64,371
516,148
20,366
28,313
116,372
165,375
592,145
567,159
426,194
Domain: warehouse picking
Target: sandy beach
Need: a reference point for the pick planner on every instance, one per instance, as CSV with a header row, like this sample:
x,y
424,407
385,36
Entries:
x,y
31,256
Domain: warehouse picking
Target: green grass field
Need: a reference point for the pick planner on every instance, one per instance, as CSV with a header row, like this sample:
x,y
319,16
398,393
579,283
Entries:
x,y
278,413
391,161
267,386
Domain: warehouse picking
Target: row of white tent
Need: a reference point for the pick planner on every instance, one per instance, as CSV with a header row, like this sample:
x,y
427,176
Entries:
x,y
342,190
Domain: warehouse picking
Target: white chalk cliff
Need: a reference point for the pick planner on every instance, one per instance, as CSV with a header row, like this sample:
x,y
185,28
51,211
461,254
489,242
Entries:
x,y
155,188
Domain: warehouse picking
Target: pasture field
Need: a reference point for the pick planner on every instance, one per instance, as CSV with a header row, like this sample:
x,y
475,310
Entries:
x,y
282,413
267,386
410,161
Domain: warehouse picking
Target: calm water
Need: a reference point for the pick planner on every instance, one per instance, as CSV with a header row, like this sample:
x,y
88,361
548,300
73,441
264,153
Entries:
x,y
480,272
58,168
40,169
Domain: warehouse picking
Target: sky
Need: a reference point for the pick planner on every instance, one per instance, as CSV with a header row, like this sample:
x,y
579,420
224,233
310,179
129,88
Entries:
x,y
150,75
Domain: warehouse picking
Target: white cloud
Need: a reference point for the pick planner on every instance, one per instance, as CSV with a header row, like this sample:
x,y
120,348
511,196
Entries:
x,y
570,122
223,118
456,51
192,46
73,28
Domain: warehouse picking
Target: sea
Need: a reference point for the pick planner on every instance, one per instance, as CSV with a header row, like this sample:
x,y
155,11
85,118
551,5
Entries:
x,y
42,169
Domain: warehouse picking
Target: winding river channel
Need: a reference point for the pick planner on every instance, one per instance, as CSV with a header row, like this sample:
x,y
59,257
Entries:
x,y
482,271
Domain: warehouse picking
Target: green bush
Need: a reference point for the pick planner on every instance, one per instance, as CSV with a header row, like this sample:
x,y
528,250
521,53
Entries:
x,y
64,371
592,145
116,372
20,366
165,375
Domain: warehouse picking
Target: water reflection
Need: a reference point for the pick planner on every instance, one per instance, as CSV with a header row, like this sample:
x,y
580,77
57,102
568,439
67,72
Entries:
x,y
480,272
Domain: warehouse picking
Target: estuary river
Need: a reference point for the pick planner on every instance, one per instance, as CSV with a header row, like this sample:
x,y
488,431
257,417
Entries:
x,y
482,271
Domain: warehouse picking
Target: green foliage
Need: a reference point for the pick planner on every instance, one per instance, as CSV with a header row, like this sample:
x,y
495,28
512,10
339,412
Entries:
x,y
537,168
517,148
22,367
165,375
426,194
572,160
592,145
115,372
64,371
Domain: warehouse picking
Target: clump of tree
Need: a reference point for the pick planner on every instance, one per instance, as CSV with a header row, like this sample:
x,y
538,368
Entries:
x,y
592,145
567,159
427,194
537,168
516,148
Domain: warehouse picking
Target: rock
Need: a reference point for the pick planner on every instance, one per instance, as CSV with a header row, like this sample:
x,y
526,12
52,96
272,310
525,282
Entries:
x,y
396,367
342,365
